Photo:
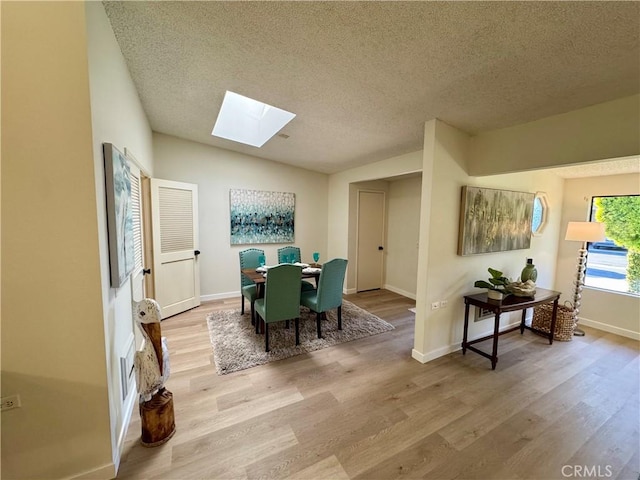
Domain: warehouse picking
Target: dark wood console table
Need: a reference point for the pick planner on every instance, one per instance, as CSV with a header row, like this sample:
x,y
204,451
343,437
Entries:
x,y
509,304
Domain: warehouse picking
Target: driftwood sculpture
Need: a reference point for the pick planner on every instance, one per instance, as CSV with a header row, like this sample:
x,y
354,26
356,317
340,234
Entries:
x,y
151,364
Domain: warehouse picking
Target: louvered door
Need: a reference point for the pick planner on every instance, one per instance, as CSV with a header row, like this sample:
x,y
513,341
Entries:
x,y
137,276
174,208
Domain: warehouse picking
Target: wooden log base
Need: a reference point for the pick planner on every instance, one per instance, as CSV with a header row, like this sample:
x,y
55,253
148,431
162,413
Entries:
x,y
157,419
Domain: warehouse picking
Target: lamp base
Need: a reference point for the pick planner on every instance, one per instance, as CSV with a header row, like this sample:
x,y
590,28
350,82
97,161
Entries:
x,y
579,282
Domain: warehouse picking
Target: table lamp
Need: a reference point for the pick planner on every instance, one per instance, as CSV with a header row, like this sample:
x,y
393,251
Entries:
x,y
582,232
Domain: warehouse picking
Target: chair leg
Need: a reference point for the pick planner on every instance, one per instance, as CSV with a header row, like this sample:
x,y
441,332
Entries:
x,y
297,322
253,314
242,305
318,318
258,320
266,336
286,324
340,317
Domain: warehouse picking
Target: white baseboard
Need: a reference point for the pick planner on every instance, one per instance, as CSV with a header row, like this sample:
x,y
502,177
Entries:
x,y
623,332
128,406
399,291
106,472
412,296
433,354
446,350
219,296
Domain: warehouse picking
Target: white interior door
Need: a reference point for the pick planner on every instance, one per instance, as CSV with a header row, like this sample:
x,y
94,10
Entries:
x,y
127,345
370,245
137,276
174,212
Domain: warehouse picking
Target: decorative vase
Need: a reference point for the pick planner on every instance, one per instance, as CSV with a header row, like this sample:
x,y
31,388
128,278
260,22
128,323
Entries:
x,y
495,295
529,272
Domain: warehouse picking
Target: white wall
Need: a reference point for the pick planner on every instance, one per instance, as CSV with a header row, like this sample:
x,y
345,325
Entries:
x,y
403,232
606,130
118,118
341,212
614,312
444,275
53,337
215,171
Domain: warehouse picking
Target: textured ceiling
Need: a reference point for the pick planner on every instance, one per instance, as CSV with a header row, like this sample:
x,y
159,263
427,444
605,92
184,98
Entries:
x,y
363,77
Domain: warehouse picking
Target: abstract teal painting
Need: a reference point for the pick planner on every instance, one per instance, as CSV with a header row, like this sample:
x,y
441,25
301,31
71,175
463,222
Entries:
x,y
261,217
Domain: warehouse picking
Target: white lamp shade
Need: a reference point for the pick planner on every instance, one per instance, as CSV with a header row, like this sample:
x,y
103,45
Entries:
x,y
585,232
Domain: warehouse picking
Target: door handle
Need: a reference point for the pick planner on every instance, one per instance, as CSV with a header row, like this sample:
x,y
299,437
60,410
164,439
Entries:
x,y
196,252
146,271
380,248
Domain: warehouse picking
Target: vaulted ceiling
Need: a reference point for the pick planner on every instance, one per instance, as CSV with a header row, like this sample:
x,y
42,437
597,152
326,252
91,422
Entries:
x,y
363,77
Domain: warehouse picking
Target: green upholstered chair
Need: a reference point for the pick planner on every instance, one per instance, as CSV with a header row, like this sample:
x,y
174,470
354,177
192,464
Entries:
x,y
295,251
328,295
249,258
281,299
290,250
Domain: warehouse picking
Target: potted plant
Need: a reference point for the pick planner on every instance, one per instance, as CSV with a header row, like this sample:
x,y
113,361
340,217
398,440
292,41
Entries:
x,y
496,286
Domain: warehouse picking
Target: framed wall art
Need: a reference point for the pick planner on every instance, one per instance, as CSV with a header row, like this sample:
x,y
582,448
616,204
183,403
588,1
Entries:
x,y
119,214
261,217
494,220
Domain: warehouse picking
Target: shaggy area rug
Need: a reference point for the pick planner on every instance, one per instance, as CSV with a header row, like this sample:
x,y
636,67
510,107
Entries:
x,y
237,347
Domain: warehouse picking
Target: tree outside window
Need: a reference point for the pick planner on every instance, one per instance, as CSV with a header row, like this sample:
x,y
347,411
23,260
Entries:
x,y
615,263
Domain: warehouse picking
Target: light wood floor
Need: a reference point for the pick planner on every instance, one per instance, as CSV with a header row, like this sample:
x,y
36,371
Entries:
x,y
366,410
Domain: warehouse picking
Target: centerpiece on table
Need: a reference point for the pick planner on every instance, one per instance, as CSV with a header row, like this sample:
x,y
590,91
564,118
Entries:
x,y
522,289
500,286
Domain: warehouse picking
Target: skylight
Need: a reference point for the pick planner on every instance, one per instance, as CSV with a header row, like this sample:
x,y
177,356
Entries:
x,y
248,121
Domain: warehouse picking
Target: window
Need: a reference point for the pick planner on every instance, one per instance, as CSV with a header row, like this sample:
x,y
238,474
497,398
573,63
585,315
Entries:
x,y
540,213
614,264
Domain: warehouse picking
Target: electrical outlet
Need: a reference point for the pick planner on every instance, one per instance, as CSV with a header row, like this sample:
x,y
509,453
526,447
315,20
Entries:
x,y
444,303
435,305
7,403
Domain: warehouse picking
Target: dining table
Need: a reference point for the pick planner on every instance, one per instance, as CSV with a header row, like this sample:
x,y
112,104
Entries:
x,y
258,277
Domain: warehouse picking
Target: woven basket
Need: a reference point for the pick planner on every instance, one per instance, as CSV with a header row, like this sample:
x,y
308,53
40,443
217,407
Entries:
x,y
564,321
